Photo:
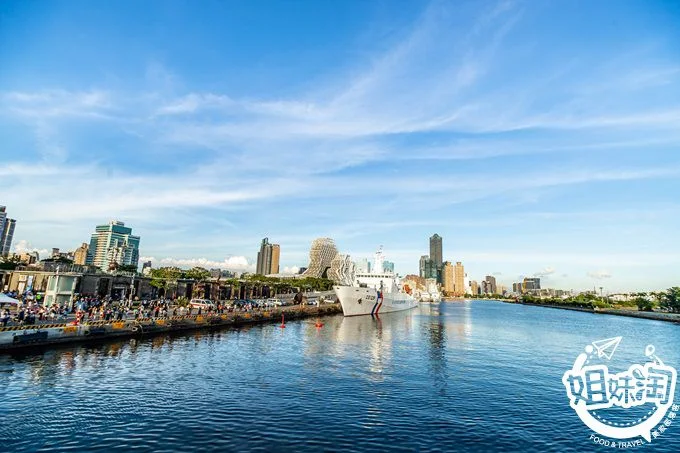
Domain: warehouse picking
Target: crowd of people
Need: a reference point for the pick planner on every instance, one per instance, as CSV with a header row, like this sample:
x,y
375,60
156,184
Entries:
x,y
88,309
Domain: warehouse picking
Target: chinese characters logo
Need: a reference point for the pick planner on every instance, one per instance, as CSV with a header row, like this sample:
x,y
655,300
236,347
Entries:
x,y
644,391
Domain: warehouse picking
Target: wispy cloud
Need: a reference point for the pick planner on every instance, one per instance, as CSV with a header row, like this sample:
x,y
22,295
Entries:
x,y
599,275
58,104
470,119
546,272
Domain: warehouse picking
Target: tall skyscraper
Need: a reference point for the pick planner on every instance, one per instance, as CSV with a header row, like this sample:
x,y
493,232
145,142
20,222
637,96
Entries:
x,y
428,269
459,283
6,232
268,258
449,277
423,265
113,244
388,266
491,287
276,256
436,250
80,255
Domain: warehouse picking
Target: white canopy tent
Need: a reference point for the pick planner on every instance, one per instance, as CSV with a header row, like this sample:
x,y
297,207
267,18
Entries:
x,y
5,299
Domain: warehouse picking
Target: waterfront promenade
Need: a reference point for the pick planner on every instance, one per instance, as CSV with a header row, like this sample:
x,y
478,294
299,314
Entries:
x,y
654,315
45,333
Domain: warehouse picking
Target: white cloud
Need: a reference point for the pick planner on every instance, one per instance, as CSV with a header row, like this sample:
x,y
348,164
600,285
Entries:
x,y
291,270
599,275
55,104
232,263
23,246
545,272
194,102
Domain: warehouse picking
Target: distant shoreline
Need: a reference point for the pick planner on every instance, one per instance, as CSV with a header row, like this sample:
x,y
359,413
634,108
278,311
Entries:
x,y
656,316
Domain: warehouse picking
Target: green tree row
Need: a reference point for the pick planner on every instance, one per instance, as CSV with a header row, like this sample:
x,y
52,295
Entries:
x,y
668,300
162,275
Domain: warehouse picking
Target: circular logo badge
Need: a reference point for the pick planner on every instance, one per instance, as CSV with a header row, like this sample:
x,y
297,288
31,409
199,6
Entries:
x,y
644,392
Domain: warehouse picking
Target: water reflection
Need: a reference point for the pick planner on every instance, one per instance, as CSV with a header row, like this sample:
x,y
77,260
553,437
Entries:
x,y
478,376
436,335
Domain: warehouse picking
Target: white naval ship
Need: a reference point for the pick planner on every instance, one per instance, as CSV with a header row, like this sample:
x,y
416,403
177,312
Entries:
x,y
374,293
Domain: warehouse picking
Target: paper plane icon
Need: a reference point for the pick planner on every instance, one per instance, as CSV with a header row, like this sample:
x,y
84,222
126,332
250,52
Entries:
x,y
606,348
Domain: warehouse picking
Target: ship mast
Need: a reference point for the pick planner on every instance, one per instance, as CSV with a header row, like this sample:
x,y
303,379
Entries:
x,y
378,263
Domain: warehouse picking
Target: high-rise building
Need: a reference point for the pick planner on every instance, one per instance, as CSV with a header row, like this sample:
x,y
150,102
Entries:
x,y
422,266
80,255
459,279
427,268
449,278
533,283
436,250
7,226
474,288
517,288
268,258
388,266
363,266
321,256
490,287
276,257
113,245
3,221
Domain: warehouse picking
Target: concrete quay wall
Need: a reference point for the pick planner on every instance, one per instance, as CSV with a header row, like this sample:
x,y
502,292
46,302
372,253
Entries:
x,y
15,337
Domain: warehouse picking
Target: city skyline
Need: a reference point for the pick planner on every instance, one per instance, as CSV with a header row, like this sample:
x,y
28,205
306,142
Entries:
x,y
537,140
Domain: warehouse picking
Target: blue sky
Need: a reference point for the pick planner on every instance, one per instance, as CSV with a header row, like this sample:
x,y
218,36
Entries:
x,y
536,137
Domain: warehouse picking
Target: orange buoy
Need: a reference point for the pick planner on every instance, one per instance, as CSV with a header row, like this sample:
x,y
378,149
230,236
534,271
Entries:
x,y
283,322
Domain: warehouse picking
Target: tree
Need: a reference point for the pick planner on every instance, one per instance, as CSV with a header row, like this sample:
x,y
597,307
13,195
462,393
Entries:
x,y
644,304
127,268
670,300
9,263
161,276
197,273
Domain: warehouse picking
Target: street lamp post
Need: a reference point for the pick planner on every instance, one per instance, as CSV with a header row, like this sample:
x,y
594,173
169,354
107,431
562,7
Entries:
x,y
56,286
132,289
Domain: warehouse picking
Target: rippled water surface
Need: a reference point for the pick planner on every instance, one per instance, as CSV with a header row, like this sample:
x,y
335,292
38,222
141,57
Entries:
x,y
480,376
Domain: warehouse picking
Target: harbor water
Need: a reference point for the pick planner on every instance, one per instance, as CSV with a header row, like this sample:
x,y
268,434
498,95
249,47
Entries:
x,y
458,376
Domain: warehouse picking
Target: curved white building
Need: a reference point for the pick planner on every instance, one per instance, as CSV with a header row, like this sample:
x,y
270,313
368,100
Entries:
x,y
342,270
321,257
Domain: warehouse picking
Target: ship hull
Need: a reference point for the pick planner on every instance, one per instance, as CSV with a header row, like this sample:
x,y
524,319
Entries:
x,y
357,301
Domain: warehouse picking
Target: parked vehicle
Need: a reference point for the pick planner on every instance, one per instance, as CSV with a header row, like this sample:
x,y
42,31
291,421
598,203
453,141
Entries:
x,y
201,303
275,302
